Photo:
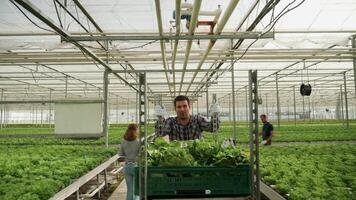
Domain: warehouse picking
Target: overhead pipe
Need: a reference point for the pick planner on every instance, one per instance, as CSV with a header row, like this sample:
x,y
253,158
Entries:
x,y
231,7
37,13
216,12
163,46
174,53
192,26
269,5
237,29
85,12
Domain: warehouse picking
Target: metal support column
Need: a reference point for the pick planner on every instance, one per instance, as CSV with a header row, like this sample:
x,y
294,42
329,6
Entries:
x,y
106,179
246,104
295,107
353,41
346,103
309,110
207,102
233,92
313,107
303,109
2,109
253,124
117,110
33,114
342,105
148,110
127,110
66,88
267,105
230,96
143,131
236,106
105,118
137,108
36,114
197,105
214,120
42,113
288,111
278,106
50,109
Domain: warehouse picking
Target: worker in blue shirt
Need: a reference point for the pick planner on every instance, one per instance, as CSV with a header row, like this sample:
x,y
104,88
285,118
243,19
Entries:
x,y
267,130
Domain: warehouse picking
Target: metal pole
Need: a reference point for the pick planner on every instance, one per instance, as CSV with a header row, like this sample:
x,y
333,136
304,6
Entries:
x,y
143,131
233,96
2,109
346,103
148,110
66,88
237,106
36,114
278,106
105,118
42,114
50,109
137,108
246,102
6,113
309,110
33,114
295,107
127,110
106,178
197,105
313,107
353,41
342,105
117,110
303,110
230,107
288,111
253,126
267,106
207,102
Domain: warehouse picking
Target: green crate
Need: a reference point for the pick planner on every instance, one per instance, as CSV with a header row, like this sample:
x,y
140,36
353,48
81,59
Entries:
x,y
196,181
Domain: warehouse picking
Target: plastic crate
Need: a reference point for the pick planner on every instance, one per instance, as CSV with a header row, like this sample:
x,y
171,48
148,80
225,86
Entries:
x,y
196,181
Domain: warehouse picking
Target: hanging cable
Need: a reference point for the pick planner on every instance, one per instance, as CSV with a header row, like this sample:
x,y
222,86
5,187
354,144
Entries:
x,y
30,18
59,18
271,24
140,46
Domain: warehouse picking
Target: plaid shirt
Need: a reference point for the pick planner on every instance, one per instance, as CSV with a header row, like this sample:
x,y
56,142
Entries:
x,y
193,130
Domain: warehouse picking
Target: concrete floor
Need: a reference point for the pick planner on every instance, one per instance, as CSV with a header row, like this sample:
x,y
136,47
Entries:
x,y
120,192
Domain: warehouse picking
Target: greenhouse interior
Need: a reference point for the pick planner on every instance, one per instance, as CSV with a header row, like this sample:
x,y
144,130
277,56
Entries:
x,y
164,99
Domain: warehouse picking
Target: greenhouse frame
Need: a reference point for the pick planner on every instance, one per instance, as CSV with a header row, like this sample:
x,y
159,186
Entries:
x,y
74,74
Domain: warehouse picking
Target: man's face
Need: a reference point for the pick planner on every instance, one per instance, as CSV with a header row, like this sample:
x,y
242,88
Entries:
x,y
263,119
182,109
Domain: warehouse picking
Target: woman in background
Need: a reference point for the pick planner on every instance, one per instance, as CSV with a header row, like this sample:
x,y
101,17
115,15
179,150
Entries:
x,y
130,147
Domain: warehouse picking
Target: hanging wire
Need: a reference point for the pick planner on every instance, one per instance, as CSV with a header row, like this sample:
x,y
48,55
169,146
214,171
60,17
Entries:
x,y
59,18
271,24
30,18
140,46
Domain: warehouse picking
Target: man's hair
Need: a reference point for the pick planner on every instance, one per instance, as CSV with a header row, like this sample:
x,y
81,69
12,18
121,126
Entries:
x,y
263,115
181,98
